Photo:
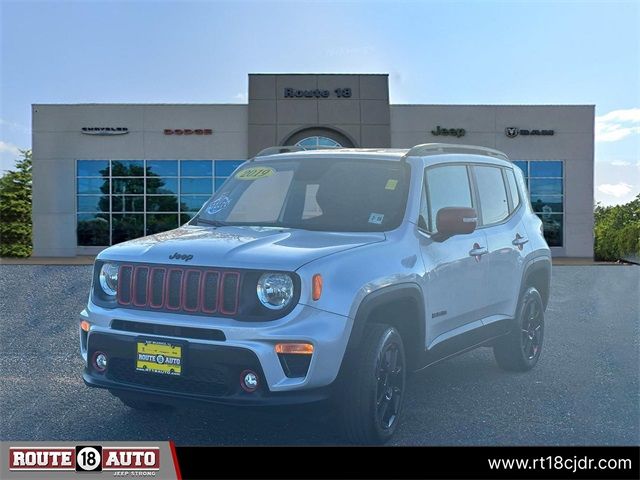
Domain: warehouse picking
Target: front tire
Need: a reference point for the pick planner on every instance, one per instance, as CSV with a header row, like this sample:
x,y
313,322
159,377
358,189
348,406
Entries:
x,y
520,350
375,387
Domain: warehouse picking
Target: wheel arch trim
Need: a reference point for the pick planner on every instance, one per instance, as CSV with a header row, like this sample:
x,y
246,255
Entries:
x,y
400,292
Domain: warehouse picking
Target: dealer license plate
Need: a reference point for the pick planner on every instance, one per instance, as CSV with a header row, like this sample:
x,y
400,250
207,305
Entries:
x,y
159,357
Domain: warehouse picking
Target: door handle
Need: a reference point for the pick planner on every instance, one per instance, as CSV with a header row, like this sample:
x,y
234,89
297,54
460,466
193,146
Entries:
x,y
477,251
519,241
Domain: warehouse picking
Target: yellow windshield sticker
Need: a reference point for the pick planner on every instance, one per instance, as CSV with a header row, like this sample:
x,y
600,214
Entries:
x,y
391,184
255,173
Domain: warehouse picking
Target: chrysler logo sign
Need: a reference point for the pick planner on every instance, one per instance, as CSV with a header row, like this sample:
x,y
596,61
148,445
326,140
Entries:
x,y
513,132
104,131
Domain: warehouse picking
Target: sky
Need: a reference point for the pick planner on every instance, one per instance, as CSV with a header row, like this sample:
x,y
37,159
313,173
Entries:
x,y
478,52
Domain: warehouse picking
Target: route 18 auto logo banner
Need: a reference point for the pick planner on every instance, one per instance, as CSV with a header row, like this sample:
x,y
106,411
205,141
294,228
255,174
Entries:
x,y
22,460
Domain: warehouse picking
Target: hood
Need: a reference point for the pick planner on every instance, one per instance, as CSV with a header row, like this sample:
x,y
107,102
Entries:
x,y
237,247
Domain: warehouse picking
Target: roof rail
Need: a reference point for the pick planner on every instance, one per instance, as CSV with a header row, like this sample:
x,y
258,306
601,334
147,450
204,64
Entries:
x,y
274,150
290,148
437,148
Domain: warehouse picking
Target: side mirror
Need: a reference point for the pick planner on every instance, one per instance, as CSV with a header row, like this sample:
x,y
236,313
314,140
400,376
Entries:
x,y
452,221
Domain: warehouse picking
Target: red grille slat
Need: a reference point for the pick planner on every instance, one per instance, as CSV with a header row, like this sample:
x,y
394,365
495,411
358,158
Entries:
x,y
175,289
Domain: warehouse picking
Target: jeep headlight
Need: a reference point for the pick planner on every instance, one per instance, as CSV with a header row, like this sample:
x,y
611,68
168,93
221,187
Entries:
x,y
275,290
109,279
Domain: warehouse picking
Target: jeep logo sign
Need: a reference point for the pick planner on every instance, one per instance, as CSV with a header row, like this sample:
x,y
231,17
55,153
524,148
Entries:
x,y
451,132
180,256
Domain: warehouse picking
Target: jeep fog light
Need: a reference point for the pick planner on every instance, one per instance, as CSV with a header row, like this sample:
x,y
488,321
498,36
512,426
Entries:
x,y
100,361
109,279
249,381
275,290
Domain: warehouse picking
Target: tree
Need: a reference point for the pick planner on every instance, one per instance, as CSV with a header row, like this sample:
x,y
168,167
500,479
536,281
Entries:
x,y
617,231
15,209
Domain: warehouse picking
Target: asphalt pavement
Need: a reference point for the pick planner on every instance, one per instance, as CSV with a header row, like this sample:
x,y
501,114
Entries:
x,y
584,391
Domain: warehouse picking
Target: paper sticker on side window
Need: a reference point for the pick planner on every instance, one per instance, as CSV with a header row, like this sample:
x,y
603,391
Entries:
x,y
254,173
391,184
376,218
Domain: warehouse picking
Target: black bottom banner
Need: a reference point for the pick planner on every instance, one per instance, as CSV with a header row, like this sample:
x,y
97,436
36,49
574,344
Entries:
x,y
408,462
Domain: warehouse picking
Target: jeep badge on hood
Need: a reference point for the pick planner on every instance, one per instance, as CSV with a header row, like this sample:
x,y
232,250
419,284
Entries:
x,y
180,256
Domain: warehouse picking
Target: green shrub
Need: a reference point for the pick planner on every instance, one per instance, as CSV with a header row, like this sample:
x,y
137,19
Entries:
x,y
15,209
617,231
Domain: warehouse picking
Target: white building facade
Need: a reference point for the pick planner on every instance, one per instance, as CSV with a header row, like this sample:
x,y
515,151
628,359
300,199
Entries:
x,y
106,173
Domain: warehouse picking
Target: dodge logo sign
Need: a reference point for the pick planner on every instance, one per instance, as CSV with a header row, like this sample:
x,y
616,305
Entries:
x,y
188,131
513,132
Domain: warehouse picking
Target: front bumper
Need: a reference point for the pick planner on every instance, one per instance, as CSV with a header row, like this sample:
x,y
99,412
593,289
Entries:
x,y
212,368
211,373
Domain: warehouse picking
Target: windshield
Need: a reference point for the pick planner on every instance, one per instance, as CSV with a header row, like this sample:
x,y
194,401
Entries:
x,y
338,194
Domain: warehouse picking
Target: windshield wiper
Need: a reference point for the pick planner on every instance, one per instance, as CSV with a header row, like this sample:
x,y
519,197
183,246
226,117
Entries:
x,y
214,223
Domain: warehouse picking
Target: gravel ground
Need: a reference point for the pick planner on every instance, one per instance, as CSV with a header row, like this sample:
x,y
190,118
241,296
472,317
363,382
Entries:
x,y
584,391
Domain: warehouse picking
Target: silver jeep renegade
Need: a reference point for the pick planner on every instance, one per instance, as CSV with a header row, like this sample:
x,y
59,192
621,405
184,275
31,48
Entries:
x,y
324,275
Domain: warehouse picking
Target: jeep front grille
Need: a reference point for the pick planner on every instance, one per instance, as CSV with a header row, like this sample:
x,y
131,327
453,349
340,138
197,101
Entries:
x,y
180,290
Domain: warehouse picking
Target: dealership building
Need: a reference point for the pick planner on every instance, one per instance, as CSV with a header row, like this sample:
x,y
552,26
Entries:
x,y
106,173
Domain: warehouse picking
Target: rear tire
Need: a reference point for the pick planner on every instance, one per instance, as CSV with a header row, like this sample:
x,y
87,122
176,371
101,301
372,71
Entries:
x,y
374,387
138,404
520,350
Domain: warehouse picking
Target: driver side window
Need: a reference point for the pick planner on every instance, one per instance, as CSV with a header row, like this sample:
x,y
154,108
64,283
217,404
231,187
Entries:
x,y
446,186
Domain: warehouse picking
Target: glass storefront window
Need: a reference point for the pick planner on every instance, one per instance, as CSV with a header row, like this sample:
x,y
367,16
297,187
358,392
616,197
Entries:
x,y
126,226
546,203
93,229
162,185
127,203
196,168
545,186
192,203
92,203
127,185
118,200
553,230
316,141
225,168
157,223
162,168
127,168
545,180
196,185
92,186
162,203
92,168
549,169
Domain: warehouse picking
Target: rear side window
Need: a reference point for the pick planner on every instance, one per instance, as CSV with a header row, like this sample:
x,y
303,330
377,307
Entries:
x,y
447,186
492,194
513,188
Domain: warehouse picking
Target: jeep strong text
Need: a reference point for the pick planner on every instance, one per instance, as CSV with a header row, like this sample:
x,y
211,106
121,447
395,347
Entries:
x,y
329,274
